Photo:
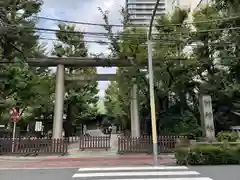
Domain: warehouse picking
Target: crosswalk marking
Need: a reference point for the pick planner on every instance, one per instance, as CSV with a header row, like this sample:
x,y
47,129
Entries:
x,y
191,178
139,173
156,173
134,168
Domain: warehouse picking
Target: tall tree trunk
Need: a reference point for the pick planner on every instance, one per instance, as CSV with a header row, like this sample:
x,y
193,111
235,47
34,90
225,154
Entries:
x,y
69,120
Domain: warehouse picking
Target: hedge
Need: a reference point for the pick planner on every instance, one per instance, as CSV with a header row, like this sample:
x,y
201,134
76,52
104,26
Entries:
x,y
228,136
207,155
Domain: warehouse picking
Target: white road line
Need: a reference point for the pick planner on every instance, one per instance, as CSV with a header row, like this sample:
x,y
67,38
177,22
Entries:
x,y
186,178
134,168
122,174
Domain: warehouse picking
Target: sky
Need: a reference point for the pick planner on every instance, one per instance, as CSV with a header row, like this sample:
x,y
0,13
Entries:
x,y
83,11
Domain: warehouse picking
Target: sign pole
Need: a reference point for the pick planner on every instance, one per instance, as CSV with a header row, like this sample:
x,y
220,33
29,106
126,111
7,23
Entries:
x,y
13,136
15,118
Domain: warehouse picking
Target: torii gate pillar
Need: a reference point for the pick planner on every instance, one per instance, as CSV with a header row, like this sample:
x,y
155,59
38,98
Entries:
x,y
59,102
135,123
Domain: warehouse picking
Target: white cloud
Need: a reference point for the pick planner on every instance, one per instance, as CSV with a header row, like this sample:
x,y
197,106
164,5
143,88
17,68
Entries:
x,y
83,11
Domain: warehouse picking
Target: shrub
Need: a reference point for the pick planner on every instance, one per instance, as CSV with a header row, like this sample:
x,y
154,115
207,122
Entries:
x,y
207,155
228,136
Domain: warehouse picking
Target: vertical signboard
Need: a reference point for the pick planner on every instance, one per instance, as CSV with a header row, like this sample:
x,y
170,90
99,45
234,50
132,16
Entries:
x,y
38,126
207,116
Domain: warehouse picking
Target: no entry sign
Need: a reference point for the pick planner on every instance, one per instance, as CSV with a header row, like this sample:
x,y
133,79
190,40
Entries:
x,y
15,116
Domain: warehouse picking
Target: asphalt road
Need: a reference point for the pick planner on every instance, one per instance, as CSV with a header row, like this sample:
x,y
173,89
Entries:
x,y
219,172
213,172
37,174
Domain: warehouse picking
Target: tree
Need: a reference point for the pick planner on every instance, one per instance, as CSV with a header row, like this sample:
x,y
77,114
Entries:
x,y
113,103
175,74
24,86
210,66
132,44
80,99
129,45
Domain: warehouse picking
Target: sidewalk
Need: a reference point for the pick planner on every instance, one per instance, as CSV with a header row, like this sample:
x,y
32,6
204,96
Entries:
x,y
49,162
86,157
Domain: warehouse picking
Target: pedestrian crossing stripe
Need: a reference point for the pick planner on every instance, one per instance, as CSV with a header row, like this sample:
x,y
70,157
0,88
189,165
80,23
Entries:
x,y
122,174
134,168
189,178
138,173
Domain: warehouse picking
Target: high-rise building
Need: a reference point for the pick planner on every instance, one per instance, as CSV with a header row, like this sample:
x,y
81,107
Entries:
x,y
141,10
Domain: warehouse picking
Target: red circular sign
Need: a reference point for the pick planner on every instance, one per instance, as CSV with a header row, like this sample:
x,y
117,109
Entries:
x,y
15,116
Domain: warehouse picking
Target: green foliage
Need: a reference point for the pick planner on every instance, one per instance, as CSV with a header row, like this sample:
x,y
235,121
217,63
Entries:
x,y
114,105
25,87
207,155
227,136
187,126
210,66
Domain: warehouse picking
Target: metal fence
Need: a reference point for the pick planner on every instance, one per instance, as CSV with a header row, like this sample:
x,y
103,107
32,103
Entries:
x,y
33,146
94,142
166,144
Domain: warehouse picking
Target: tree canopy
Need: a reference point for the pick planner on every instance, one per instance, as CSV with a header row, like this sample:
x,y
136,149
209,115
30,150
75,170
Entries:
x,y
198,56
32,90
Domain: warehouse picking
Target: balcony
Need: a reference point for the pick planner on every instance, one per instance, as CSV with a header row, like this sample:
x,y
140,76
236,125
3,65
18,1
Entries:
x,y
140,18
148,2
152,5
146,8
142,12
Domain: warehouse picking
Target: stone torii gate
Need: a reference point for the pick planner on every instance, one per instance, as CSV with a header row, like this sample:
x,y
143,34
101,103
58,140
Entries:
x,y
63,62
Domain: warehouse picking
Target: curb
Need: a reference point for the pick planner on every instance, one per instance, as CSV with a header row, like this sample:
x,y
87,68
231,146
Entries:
x,y
121,158
98,158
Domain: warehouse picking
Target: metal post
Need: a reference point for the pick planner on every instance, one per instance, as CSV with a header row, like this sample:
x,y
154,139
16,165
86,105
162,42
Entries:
x,y
152,104
13,135
151,88
59,102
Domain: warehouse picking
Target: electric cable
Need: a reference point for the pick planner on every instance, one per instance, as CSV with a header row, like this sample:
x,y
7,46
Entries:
x,y
233,17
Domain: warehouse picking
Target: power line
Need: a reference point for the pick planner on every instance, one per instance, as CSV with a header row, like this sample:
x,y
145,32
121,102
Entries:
x,y
123,33
132,25
128,38
106,34
225,44
77,41
163,40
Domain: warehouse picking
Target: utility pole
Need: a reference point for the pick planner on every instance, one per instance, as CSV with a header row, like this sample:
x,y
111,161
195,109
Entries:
x,y
151,89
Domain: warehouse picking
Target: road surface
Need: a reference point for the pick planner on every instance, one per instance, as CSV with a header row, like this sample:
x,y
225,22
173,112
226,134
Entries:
x,y
125,173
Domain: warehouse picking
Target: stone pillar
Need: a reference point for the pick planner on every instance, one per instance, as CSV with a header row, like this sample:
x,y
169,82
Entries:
x,y
59,103
205,103
135,123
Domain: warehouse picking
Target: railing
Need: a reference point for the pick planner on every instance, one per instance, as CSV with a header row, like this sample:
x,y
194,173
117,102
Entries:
x,y
73,139
166,144
94,142
70,139
33,146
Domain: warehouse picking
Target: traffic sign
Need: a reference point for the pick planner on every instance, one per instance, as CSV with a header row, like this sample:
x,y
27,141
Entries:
x,y
15,116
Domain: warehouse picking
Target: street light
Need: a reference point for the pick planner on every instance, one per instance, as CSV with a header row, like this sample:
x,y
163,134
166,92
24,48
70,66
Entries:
x,y
151,88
